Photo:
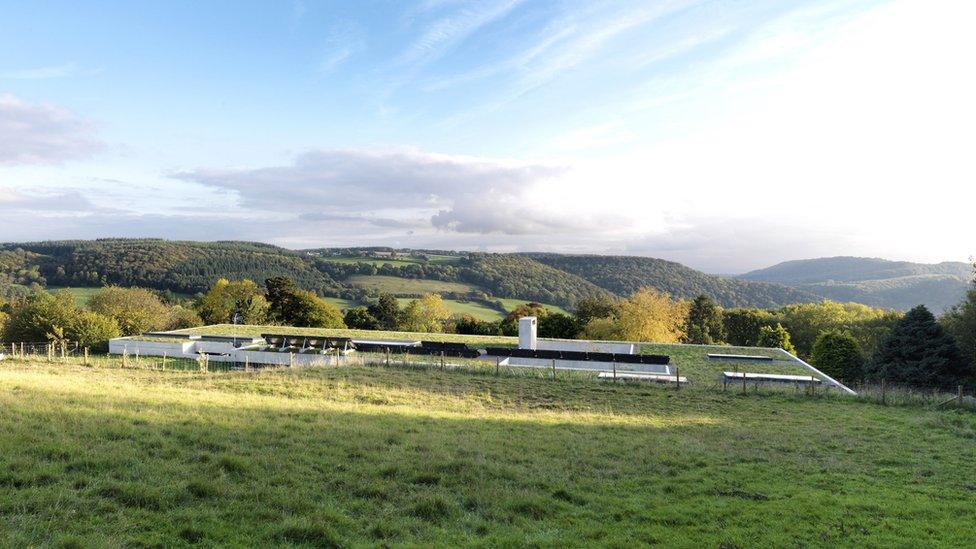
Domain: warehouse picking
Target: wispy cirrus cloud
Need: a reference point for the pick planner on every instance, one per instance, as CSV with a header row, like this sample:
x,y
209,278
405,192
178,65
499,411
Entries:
x,y
443,34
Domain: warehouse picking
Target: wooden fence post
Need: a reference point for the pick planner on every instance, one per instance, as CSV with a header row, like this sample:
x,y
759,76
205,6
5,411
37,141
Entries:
x,y
959,396
554,369
497,363
86,356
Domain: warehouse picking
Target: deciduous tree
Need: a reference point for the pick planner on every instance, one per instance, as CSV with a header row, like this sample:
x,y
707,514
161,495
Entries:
x,y
649,315
776,337
704,323
136,310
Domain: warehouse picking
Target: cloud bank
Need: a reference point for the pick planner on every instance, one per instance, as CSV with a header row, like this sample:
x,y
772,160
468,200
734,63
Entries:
x,y
42,134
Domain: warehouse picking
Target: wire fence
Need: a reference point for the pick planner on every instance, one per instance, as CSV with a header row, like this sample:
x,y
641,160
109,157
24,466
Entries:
x,y
72,353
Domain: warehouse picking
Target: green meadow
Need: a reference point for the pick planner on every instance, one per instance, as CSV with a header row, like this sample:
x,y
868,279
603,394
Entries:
x,y
372,455
473,308
81,294
408,286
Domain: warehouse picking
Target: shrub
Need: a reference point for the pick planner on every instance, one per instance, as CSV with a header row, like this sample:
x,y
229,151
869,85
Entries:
x,y
838,355
91,329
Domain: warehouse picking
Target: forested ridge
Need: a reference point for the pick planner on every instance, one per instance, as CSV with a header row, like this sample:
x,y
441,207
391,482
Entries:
x,y
624,275
876,282
192,267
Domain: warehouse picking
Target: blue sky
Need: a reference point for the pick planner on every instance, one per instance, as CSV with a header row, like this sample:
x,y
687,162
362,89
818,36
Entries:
x,y
725,135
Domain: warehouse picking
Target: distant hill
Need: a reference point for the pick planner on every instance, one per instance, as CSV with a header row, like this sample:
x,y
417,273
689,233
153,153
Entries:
x,y
623,275
189,267
878,282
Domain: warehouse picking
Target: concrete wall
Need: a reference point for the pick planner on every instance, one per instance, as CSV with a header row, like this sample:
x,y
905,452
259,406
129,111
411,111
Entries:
x,y
175,348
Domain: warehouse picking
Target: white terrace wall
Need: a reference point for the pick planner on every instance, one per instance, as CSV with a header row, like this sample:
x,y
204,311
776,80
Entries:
x,y
176,348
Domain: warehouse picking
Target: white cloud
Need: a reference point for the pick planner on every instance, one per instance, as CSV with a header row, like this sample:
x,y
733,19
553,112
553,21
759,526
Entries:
x,y
42,133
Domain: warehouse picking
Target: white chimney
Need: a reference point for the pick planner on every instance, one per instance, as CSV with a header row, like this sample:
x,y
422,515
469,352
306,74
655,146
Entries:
x,y
527,332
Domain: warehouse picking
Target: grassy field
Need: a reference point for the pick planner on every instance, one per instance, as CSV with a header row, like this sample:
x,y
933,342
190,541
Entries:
x,y
477,310
81,294
342,304
362,456
408,286
511,304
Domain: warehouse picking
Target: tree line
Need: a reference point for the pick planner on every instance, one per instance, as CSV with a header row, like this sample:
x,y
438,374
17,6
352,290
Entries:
x,y
849,341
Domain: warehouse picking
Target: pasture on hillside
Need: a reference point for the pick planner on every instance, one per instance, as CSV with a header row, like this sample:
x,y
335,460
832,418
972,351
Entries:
x,y
510,304
82,294
370,455
409,286
473,308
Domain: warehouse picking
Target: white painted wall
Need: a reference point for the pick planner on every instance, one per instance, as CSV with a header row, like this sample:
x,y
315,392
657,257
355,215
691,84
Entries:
x,y
528,332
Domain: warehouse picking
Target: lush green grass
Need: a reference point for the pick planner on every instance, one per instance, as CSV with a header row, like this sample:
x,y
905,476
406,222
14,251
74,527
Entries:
x,y
511,304
81,294
475,309
342,304
371,456
409,286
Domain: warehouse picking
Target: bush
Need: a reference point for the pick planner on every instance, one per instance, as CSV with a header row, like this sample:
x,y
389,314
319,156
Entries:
x,y
838,355
92,330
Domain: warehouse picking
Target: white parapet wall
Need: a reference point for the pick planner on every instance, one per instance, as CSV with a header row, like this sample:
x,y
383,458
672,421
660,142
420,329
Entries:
x,y
176,348
216,351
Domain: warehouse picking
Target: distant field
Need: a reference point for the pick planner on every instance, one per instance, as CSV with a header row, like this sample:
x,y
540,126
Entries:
x,y
477,310
408,286
342,304
81,294
361,456
511,304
